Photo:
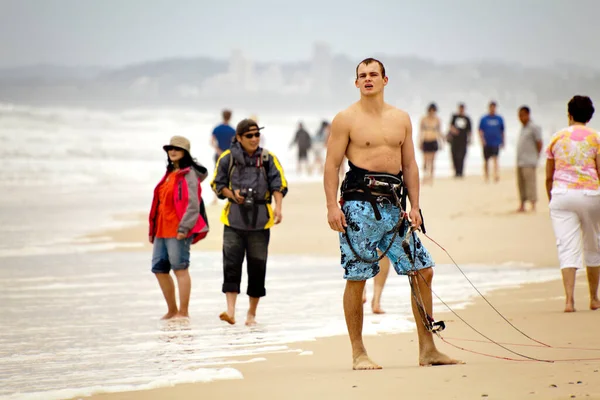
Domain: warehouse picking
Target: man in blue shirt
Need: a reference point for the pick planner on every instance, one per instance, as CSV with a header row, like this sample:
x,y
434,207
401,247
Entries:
x,y
491,131
222,135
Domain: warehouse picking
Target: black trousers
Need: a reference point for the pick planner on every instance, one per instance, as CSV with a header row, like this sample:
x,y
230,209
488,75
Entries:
x,y
253,245
459,152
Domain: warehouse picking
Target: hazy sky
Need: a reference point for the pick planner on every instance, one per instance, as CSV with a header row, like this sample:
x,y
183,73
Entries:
x,y
119,32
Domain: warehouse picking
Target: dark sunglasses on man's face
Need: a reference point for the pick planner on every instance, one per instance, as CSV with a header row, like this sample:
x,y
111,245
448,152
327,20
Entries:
x,y
250,135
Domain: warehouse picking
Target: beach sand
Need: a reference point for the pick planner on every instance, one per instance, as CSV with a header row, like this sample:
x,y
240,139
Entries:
x,y
477,223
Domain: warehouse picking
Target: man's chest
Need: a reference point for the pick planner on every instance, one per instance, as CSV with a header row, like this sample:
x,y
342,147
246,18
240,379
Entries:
x,y
378,133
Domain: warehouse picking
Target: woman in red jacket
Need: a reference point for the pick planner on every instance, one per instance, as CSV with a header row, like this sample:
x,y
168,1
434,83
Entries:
x,y
177,220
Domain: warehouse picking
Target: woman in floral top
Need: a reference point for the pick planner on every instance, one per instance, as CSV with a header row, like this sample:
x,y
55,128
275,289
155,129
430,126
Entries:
x,y
573,187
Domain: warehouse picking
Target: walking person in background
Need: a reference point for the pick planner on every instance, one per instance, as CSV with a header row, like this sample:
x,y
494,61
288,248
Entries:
x,y
573,188
249,177
459,138
223,135
491,131
303,140
177,220
430,138
221,138
528,153
318,145
378,285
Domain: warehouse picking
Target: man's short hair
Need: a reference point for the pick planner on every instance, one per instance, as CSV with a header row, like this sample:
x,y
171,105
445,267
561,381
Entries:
x,y
581,109
226,115
493,103
526,109
368,61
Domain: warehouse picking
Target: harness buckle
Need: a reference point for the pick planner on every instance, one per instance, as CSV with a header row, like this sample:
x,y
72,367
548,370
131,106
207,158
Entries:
x,y
436,327
383,200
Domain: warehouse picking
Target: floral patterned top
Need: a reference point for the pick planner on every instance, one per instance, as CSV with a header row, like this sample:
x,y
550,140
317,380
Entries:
x,y
574,152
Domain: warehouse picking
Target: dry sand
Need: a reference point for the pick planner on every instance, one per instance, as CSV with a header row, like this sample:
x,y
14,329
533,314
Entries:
x,y
476,223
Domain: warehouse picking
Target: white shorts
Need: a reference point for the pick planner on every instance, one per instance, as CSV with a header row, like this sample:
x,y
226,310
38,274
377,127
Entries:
x,y
575,217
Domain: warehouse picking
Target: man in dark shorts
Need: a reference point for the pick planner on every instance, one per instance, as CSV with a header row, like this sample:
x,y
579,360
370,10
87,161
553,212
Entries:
x,y
304,142
223,135
491,131
376,136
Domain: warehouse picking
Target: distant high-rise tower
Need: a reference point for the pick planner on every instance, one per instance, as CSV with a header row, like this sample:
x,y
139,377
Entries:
x,y
321,69
241,71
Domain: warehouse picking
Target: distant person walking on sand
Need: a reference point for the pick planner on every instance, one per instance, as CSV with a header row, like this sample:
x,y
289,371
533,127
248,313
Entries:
x,y
318,145
573,187
177,220
528,154
249,177
378,285
430,138
491,132
459,138
377,139
303,140
222,135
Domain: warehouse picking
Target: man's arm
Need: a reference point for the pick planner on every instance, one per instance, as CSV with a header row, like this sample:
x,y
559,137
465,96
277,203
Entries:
x,y
215,143
481,134
276,178
220,182
469,130
549,177
502,132
339,137
538,139
410,170
453,128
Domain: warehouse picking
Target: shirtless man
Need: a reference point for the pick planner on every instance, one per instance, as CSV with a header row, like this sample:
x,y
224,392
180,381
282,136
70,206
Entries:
x,y
375,136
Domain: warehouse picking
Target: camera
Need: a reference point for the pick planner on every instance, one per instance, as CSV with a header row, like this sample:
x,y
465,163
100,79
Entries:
x,y
248,195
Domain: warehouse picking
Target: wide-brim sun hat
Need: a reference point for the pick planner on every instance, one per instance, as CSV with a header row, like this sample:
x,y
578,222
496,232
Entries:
x,y
178,142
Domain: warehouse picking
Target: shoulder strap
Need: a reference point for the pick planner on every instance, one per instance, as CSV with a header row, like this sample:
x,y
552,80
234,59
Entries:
x,y
264,160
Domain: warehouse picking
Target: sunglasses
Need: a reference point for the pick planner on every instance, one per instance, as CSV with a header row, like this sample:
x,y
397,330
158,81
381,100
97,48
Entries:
x,y
250,135
169,148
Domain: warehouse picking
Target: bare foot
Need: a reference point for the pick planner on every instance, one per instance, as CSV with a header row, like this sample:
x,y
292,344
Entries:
x,y
169,315
570,307
250,320
376,308
521,209
182,315
595,304
363,362
436,358
225,317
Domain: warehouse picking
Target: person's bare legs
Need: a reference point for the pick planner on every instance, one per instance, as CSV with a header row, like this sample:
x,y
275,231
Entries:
x,y
431,167
428,353
486,170
251,317
353,311
593,276
568,275
184,283
496,169
167,286
229,315
378,285
428,167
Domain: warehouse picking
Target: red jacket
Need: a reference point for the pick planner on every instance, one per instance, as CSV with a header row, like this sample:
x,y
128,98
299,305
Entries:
x,y
189,208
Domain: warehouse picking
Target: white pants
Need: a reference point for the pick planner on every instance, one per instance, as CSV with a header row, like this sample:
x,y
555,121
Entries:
x,y
575,216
